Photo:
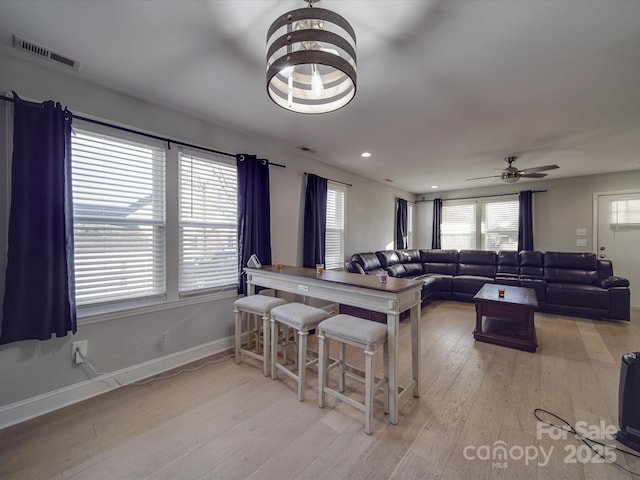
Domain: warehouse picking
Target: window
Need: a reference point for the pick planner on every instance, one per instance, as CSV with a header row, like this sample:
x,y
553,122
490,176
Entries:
x,y
458,227
480,224
334,241
208,224
624,214
500,225
119,219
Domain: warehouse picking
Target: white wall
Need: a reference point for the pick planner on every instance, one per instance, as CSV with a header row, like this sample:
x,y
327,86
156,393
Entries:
x,y
32,368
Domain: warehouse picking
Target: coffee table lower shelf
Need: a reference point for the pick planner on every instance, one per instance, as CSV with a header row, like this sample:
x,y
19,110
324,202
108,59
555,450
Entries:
x,y
506,333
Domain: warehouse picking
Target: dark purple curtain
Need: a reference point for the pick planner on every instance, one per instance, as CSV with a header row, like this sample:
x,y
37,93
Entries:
x,y
437,221
525,221
254,214
39,297
315,221
401,223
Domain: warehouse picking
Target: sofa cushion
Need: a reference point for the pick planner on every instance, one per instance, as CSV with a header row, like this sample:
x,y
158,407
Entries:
x,y
409,256
443,262
578,295
507,262
571,261
367,260
477,270
477,257
565,275
388,258
439,256
440,283
506,279
537,284
531,263
479,263
413,269
469,284
440,268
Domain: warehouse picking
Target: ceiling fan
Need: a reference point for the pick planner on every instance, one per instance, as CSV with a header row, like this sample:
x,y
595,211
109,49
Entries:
x,y
511,174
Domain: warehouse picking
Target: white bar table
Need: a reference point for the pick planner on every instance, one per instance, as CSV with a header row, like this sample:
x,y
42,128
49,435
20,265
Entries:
x,y
364,291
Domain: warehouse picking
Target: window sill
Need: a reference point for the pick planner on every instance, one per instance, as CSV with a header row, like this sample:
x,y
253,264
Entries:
x,y
103,313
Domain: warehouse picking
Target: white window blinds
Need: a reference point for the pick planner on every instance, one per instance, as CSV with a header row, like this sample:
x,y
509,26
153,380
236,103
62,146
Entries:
x,y
119,219
458,227
500,225
624,214
334,240
208,224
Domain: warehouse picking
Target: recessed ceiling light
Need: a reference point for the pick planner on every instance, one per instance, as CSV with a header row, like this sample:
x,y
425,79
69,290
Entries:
x,y
434,186
365,154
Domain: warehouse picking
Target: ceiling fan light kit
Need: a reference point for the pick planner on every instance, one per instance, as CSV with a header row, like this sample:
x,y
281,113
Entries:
x,y
511,174
311,61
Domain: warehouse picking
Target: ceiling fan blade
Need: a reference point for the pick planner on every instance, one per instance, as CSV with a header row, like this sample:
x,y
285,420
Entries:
x,y
539,169
480,178
532,175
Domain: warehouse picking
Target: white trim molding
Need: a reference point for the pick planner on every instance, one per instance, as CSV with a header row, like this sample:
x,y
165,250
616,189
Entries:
x,y
48,402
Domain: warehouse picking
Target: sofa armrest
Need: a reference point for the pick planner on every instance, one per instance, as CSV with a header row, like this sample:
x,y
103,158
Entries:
x,y
354,267
620,303
614,281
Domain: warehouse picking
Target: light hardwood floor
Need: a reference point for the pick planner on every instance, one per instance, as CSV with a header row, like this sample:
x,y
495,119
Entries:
x,y
227,421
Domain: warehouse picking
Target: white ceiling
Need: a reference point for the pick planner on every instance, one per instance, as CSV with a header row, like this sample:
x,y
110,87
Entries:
x,y
446,88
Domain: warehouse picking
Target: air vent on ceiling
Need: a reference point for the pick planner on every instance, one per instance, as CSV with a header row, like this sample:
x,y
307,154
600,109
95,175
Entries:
x,y
44,52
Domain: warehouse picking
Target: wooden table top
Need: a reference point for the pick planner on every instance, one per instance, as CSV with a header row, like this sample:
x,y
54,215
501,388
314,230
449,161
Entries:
x,y
512,295
393,285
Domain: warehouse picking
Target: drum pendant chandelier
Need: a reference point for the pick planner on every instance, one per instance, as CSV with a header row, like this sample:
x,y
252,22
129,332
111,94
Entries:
x,y
311,61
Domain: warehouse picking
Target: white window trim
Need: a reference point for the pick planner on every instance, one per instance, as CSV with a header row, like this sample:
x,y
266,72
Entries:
x,y
479,202
343,189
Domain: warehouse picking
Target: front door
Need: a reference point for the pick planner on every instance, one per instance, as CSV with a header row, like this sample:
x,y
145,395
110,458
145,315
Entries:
x,y
618,237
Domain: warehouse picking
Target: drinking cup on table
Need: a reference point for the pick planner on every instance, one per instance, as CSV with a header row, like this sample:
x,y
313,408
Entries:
x,y
278,265
382,277
319,267
501,292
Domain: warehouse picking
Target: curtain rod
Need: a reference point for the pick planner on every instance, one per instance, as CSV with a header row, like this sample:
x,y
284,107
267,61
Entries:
x,y
334,181
148,135
481,196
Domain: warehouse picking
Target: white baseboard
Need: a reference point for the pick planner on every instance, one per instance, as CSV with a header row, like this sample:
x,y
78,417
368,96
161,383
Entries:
x,y
35,406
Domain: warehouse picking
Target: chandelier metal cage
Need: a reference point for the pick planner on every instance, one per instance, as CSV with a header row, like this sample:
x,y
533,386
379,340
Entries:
x,y
311,61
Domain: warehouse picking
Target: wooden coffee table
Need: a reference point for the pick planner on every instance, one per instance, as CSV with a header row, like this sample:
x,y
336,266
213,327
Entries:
x,y
508,320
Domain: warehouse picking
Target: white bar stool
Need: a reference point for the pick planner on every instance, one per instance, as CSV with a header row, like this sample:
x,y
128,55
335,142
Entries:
x,y
363,334
254,305
302,318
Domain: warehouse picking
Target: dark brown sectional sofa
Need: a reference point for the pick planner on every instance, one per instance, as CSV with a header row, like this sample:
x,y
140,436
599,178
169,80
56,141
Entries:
x,y
568,283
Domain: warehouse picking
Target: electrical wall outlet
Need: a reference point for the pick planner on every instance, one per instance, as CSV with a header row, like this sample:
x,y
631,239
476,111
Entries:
x,y
80,346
